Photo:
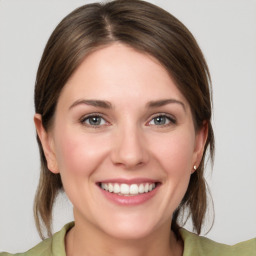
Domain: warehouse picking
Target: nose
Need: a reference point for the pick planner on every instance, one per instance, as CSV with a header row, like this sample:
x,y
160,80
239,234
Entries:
x,y
129,148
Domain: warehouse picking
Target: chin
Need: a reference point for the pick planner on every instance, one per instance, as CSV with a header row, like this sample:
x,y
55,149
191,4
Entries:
x,y
130,232
130,227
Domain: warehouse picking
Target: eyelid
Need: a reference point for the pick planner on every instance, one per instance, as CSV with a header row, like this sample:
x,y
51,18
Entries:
x,y
82,120
170,117
90,115
85,117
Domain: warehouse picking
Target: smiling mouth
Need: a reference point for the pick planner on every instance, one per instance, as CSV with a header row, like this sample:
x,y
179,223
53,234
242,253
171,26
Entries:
x,y
124,189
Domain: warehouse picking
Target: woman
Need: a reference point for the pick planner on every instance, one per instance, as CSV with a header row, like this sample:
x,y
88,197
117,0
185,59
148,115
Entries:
x,y
123,117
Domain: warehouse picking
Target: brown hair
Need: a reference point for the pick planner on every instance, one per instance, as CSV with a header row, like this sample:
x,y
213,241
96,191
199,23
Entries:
x,y
146,28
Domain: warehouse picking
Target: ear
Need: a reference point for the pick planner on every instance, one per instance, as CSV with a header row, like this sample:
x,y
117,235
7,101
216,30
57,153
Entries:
x,y
201,137
47,144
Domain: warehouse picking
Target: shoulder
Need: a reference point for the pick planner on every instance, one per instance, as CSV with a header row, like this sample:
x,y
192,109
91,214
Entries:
x,y
202,246
53,246
42,249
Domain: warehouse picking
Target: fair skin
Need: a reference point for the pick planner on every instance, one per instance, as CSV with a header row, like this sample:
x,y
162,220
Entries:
x,y
120,119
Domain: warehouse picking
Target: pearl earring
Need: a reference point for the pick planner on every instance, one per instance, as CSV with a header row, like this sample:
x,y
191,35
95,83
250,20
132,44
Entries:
x,y
194,167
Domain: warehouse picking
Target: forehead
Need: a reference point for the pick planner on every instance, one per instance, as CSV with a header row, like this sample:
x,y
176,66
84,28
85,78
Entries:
x,y
119,72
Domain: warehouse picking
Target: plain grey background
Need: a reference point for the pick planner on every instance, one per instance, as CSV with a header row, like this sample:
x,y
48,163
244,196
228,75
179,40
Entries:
x,y
226,32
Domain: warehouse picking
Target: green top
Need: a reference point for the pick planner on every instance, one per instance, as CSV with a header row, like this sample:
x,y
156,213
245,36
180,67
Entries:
x,y
194,245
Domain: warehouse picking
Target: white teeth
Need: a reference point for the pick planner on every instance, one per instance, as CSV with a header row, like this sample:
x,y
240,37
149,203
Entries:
x,y
104,186
125,189
141,188
134,189
116,188
110,187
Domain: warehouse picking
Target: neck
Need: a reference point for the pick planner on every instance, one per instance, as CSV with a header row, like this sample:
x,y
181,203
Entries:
x,y
85,240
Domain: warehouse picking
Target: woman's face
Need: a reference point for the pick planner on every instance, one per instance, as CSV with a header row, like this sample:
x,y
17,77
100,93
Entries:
x,y
124,143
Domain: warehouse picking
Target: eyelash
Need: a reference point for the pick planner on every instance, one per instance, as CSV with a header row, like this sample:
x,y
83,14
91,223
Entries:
x,y
171,119
93,115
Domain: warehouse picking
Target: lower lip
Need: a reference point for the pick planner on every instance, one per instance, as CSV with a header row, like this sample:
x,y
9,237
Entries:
x,y
129,200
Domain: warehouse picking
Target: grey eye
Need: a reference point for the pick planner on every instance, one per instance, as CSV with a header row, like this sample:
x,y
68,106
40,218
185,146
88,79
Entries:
x,y
94,120
160,120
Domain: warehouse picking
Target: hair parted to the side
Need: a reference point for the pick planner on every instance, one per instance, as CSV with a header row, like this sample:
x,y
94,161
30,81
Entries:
x,y
146,28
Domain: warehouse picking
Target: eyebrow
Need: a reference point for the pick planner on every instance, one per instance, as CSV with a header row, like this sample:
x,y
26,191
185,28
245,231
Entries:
x,y
108,105
94,103
160,103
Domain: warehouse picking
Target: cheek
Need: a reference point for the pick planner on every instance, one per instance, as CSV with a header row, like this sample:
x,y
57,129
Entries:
x,y
175,157
78,154
175,152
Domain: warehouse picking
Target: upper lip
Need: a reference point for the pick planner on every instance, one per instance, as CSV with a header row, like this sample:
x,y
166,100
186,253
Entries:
x,y
129,181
